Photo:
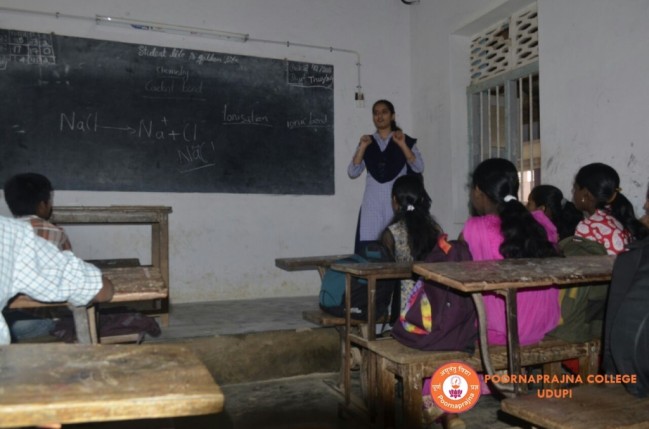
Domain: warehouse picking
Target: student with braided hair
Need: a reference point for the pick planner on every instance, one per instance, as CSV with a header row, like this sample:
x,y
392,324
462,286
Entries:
x,y
413,232
504,229
611,219
563,214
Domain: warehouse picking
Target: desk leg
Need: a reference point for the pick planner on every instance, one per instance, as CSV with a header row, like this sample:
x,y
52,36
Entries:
x,y
513,345
484,345
92,323
81,324
346,367
371,336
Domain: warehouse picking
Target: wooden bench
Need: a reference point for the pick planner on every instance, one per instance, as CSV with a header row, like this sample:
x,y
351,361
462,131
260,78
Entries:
x,y
592,406
411,366
131,284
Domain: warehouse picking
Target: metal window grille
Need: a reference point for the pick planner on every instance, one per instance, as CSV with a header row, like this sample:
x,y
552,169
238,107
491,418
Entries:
x,y
504,97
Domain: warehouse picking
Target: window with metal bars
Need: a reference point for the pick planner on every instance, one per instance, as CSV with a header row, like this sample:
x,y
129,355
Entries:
x,y
503,97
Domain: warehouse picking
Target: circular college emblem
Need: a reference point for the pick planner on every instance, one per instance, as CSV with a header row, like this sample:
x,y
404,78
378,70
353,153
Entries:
x,y
455,387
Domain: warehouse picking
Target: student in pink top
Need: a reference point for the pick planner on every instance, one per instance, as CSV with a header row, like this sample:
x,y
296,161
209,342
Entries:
x,y
504,228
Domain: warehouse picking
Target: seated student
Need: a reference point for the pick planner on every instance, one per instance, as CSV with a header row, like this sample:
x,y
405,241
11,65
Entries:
x,y
413,232
29,197
505,229
32,266
645,217
563,214
611,219
582,308
411,236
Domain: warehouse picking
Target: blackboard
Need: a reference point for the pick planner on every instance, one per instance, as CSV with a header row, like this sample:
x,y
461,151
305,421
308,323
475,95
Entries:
x,y
110,116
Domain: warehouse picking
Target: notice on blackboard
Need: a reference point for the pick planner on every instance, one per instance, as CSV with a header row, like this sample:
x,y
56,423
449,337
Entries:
x,y
110,116
310,75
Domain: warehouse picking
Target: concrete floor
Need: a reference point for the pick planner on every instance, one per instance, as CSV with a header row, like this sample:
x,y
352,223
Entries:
x,y
305,402
258,392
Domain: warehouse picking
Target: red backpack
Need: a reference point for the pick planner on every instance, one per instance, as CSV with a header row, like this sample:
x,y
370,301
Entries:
x,y
437,317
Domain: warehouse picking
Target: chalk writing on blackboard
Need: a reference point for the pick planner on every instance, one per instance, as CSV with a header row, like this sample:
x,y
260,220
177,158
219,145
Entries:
x,y
111,116
26,48
309,75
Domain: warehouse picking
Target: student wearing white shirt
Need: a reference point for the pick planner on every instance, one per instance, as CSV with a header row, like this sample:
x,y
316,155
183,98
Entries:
x,y
32,266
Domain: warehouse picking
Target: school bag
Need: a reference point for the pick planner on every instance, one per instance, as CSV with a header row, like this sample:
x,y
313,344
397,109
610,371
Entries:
x,y
437,317
626,326
582,307
332,289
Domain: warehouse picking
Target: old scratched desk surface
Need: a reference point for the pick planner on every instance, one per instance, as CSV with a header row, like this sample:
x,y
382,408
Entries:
x,y
478,276
63,383
506,277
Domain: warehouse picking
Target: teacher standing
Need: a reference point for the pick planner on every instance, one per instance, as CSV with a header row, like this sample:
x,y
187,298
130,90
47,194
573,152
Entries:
x,y
387,154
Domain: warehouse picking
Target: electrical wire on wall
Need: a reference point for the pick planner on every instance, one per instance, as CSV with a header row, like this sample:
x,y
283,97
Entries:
x,y
136,24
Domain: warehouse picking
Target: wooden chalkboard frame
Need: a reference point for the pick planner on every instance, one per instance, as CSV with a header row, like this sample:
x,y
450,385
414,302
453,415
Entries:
x,y
111,116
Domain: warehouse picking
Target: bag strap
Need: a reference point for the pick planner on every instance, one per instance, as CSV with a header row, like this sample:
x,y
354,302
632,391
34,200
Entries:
x,y
426,308
426,312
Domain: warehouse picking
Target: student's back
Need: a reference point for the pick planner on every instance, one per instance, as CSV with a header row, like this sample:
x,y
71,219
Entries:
x,y
29,197
611,219
413,232
505,229
34,267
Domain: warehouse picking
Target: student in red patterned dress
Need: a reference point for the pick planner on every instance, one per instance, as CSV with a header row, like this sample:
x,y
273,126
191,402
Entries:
x,y
610,219
29,197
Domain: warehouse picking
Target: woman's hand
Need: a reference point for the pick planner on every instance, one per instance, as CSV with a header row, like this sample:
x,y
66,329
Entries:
x,y
399,138
366,140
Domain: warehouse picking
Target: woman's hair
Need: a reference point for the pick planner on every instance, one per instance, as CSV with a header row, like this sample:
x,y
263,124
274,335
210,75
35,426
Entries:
x,y
563,214
414,210
390,106
523,236
603,182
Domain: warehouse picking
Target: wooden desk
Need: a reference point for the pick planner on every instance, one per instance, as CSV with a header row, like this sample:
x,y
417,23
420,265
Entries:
x,y
156,216
53,382
320,263
131,284
506,277
588,407
371,271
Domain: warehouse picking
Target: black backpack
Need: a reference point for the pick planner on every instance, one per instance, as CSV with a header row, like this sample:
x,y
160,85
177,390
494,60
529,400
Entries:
x,y
626,327
332,289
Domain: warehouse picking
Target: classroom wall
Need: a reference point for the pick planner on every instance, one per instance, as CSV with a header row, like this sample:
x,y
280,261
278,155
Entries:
x,y
223,246
593,90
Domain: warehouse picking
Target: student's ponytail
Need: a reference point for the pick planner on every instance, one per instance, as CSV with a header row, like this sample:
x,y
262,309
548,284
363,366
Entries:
x,y
563,214
414,210
622,210
523,236
603,182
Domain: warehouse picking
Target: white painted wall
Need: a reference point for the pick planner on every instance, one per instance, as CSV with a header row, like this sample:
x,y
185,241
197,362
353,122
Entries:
x,y
223,246
594,88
